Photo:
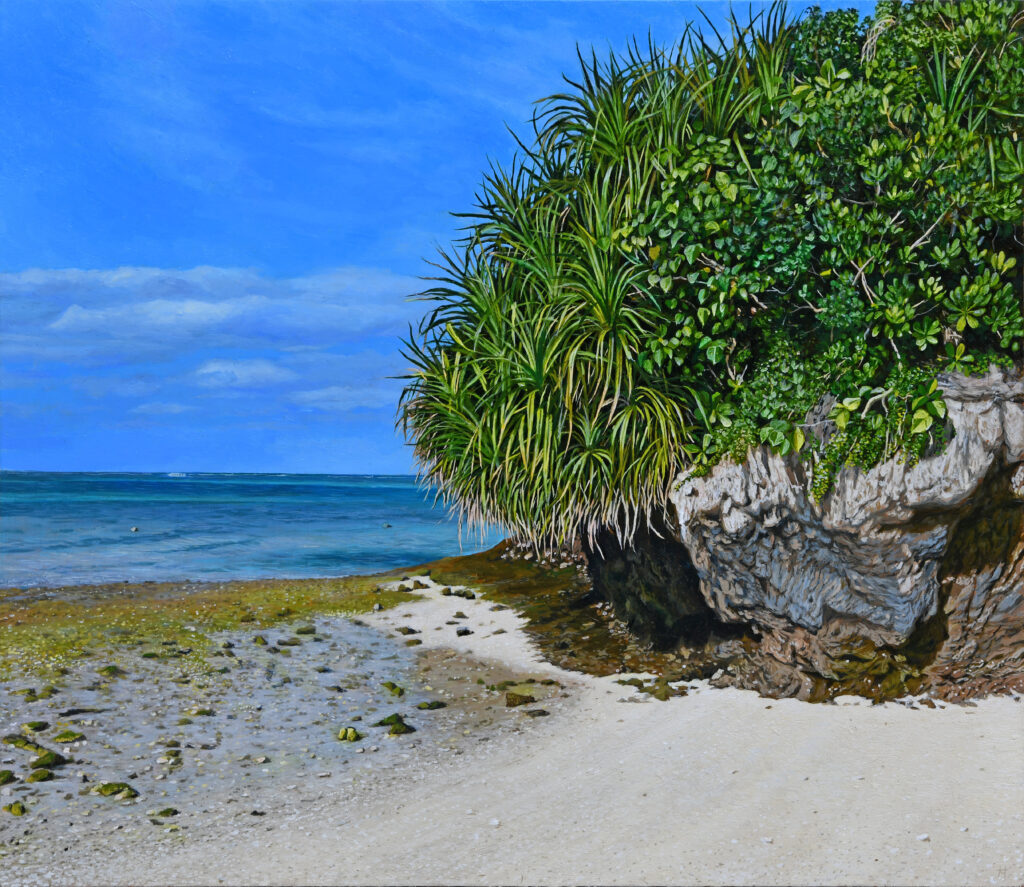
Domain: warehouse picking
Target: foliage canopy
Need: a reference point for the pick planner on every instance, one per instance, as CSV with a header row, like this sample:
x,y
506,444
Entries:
x,y
724,244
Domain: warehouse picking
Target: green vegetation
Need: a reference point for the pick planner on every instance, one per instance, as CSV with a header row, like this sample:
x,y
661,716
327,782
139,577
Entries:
x,y
44,635
741,240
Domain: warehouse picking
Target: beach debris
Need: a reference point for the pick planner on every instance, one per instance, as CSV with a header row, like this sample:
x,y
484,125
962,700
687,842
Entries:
x,y
135,529
393,688
386,526
923,837
513,699
15,809
349,734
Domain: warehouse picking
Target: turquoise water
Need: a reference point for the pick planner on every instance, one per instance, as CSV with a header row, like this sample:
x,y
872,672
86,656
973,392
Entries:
x,y
69,528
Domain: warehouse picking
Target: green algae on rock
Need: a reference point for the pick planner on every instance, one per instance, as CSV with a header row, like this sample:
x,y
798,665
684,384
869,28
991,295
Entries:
x,y
35,726
15,809
40,774
122,791
6,776
396,724
349,734
48,759
433,705
393,688
42,632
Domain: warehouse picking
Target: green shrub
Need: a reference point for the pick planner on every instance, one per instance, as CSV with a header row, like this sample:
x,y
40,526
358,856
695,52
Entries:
x,y
700,245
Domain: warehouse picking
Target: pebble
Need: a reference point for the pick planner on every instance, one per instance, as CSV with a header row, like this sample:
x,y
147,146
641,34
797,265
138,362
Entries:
x,y
923,838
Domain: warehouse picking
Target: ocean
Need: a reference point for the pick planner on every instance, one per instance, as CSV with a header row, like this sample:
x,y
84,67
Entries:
x,y
76,528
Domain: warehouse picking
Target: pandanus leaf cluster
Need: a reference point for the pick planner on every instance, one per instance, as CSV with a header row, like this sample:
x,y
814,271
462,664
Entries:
x,y
698,246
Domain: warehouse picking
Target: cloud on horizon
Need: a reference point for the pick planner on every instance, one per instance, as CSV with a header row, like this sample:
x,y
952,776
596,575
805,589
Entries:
x,y
161,350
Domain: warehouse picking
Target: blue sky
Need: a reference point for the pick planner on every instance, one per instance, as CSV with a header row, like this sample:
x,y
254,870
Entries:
x,y
212,214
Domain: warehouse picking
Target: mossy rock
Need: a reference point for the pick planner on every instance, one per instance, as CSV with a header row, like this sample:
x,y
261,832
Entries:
x,y
433,705
290,642
6,777
35,726
120,790
459,615
393,688
413,642
112,671
49,759
259,641
397,725
405,629
168,811
184,722
349,734
25,691
203,712
68,736
15,809
306,629
40,774
24,743
446,592
515,699
418,585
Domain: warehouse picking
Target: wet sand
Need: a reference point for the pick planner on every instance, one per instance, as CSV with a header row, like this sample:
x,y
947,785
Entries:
x,y
609,786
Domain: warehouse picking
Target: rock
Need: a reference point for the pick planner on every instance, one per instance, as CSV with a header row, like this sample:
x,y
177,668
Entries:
x,y
6,776
405,629
15,809
306,629
259,640
289,642
462,632
393,688
202,712
377,608
35,726
120,790
413,642
446,591
349,734
48,759
904,579
433,705
40,774
418,586
397,725
536,713
112,671
514,699
68,736
459,615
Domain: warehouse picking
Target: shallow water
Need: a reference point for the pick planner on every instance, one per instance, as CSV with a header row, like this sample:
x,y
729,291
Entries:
x,y
72,528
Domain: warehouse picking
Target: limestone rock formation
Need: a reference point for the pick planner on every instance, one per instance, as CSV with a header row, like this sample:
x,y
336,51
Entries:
x,y
904,577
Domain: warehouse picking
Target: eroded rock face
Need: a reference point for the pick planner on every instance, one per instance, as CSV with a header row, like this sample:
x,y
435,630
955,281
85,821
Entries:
x,y
904,577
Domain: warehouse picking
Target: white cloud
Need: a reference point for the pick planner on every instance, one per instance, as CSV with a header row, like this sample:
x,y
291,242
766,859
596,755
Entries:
x,y
160,409
242,374
340,398
122,315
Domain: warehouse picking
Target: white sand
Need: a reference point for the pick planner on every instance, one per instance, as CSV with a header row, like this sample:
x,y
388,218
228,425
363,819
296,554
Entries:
x,y
718,787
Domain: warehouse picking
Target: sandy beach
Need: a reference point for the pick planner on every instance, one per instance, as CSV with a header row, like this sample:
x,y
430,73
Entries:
x,y
615,787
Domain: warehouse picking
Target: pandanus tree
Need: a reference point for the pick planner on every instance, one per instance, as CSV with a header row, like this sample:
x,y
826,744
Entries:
x,y
697,244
